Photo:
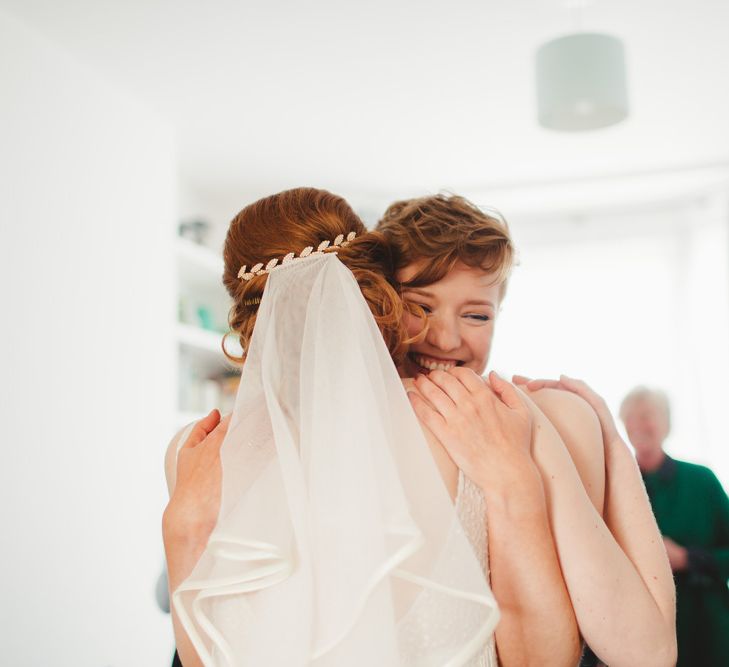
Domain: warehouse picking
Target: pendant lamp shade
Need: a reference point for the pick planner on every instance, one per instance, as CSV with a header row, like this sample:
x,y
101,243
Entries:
x,y
581,82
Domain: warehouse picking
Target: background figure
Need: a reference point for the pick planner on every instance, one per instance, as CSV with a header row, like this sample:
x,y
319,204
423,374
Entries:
x,y
692,511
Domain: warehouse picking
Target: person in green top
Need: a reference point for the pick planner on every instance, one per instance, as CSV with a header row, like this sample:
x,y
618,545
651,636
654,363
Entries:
x,y
692,512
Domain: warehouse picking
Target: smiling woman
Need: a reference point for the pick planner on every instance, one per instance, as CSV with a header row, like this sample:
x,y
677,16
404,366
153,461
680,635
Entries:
x,y
460,311
452,262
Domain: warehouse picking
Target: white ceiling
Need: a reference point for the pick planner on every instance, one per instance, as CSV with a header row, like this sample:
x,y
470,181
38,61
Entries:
x,y
382,99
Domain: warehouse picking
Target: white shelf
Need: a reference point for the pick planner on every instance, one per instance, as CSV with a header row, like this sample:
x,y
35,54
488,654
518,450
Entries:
x,y
200,273
207,342
201,301
199,339
200,286
201,258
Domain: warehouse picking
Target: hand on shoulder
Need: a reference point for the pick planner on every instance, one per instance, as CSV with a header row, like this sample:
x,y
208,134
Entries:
x,y
484,425
584,391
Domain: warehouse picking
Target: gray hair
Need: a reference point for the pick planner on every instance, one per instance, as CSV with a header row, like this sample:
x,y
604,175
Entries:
x,y
642,393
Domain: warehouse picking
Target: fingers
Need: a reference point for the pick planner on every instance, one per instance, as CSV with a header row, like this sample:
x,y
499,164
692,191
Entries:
x,y
582,389
224,423
202,428
473,382
210,421
597,403
432,420
536,385
575,384
567,384
216,437
505,391
428,416
442,391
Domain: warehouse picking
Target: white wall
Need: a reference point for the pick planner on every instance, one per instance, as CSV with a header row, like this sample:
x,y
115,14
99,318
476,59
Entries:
x,y
87,209
627,297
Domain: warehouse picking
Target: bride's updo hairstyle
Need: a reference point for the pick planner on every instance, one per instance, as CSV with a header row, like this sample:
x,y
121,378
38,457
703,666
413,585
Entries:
x,y
444,229
289,222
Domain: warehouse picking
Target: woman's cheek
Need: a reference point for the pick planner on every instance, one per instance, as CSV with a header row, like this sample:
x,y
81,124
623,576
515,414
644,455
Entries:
x,y
481,347
413,324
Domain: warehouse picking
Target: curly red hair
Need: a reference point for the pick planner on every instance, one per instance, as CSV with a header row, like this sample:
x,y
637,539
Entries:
x,y
288,222
445,229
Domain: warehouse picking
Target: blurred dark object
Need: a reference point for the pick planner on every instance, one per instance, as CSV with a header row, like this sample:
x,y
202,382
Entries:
x,y
195,230
589,659
162,593
581,82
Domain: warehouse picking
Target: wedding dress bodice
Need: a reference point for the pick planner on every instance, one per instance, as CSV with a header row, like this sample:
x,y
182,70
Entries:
x,y
471,511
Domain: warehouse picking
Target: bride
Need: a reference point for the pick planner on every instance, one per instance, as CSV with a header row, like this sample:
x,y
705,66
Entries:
x,y
340,536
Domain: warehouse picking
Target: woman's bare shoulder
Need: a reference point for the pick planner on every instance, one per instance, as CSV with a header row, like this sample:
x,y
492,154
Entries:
x,y
579,428
568,410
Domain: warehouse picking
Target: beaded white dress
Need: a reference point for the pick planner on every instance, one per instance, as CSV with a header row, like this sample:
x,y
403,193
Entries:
x,y
471,511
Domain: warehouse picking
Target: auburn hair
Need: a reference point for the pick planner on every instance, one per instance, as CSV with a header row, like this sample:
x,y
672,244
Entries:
x,y
290,221
445,229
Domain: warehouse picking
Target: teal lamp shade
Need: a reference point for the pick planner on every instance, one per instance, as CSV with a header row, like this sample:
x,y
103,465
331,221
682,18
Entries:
x,y
581,82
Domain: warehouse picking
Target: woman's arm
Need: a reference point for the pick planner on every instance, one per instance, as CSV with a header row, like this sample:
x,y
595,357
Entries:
x,y
488,436
616,570
194,482
579,428
538,624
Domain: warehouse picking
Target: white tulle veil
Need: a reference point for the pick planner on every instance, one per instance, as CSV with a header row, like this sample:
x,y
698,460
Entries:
x,y
337,542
